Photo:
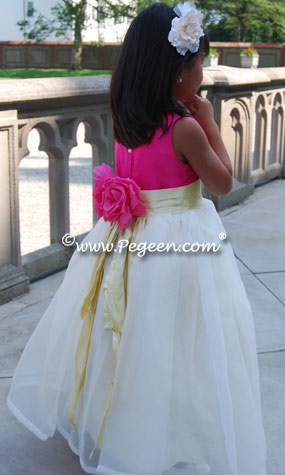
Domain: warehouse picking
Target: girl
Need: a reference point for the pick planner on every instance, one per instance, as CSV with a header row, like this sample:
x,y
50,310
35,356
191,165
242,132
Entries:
x,y
145,360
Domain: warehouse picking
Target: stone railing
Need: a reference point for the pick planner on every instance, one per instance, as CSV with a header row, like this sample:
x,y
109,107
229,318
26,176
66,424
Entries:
x,y
248,106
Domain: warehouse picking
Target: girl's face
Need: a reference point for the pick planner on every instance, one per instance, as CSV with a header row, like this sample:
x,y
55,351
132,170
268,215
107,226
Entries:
x,y
192,77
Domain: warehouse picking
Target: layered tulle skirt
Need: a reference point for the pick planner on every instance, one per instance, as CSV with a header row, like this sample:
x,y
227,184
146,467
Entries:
x,y
182,366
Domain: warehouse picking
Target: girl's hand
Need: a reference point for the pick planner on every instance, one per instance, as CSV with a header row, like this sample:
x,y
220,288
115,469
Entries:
x,y
202,110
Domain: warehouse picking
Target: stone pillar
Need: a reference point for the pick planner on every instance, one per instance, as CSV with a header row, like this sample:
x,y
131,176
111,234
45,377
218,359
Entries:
x,y
13,281
59,197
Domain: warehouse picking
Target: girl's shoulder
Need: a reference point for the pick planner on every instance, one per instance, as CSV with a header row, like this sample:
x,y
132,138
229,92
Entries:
x,y
178,124
174,116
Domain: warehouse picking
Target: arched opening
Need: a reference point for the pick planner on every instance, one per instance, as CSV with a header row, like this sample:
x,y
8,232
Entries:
x,y
277,131
260,135
81,184
34,197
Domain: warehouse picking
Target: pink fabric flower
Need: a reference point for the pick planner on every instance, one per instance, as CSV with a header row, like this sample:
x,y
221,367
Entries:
x,y
116,197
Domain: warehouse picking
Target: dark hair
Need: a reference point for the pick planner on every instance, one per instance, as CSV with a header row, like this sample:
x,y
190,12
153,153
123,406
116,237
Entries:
x,y
147,67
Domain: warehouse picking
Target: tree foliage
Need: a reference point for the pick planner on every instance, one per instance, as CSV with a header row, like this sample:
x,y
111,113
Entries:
x,y
239,20
244,20
39,30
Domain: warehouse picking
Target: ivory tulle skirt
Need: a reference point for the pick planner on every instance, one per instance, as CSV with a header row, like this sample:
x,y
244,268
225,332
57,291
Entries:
x,y
186,394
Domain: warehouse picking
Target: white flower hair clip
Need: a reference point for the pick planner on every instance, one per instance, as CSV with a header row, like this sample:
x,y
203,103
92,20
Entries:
x,y
186,30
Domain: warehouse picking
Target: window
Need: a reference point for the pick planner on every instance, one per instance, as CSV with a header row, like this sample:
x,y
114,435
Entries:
x,y
100,11
89,11
119,19
30,9
101,15
94,13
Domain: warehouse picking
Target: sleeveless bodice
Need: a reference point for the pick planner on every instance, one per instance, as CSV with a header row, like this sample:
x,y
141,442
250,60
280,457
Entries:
x,y
155,165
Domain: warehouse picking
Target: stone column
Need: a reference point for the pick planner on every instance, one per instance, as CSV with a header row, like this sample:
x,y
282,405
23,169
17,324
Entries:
x,y
59,197
13,281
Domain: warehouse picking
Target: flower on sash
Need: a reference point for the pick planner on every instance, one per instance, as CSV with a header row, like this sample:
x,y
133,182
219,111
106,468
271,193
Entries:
x,y
116,198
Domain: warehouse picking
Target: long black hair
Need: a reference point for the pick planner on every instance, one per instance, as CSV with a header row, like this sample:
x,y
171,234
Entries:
x,y
147,67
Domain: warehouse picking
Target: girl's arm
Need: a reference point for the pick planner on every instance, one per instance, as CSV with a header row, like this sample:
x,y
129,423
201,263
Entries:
x,y
205,152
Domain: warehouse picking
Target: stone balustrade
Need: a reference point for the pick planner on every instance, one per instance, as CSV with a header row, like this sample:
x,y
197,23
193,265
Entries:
x,y
248,107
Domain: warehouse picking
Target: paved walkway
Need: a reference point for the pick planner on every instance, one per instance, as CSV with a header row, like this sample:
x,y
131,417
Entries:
x,y
256,229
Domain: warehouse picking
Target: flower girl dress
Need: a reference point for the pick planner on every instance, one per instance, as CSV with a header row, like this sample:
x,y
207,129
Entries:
x,y
145,361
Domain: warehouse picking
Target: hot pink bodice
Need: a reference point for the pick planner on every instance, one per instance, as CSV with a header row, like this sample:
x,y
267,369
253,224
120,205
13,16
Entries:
x,y
154,166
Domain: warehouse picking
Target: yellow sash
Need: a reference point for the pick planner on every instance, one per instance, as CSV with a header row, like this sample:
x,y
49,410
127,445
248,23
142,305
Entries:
x,y
114,291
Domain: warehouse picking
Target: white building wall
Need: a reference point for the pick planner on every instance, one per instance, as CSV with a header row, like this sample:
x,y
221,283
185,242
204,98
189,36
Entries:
x,y
13,11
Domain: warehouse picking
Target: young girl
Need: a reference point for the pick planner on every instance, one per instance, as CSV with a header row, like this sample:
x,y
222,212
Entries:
x,y
145,360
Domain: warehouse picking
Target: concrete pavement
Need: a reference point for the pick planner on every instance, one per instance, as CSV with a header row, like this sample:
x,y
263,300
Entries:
x,y
256,229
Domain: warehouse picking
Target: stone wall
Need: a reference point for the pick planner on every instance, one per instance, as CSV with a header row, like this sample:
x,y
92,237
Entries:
x,y
270,55
58,54
55,55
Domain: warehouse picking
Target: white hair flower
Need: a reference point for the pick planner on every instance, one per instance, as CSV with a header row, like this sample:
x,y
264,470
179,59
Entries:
x,y
186,30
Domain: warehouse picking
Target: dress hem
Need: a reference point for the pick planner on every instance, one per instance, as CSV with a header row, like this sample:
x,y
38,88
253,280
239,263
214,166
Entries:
x,y
19,415
99,470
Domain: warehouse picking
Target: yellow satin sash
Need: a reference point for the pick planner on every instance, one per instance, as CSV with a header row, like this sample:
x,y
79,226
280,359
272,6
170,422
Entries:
x,y
114,291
